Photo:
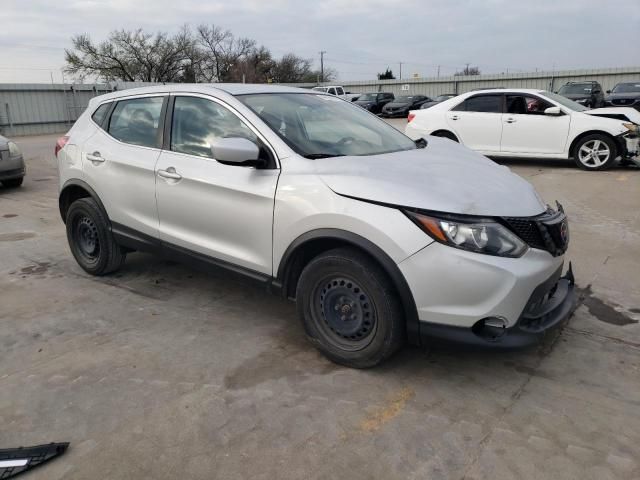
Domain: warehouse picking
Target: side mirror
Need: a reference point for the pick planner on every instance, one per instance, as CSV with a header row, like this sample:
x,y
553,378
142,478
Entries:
x,y
235,150
608,91
553,111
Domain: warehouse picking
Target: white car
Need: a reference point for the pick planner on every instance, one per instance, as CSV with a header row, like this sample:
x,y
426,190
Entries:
x,y
338,91
531,123
378,238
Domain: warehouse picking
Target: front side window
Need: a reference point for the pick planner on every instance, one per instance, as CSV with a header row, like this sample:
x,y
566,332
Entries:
x,y
481,103
526,105
319,126
198,122
137,121
100,113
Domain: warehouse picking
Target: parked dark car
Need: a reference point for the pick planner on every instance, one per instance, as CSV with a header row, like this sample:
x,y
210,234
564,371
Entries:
x,y
374,101
401,106
624,95
12,168
437,100
589,94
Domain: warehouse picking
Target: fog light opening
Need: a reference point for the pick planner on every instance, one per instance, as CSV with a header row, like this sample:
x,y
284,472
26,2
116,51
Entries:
x,y
490,329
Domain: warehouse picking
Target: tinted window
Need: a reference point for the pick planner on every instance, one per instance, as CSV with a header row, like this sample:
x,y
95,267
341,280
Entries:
x,y
340,91
197,122
576,89
332,91
482,103
136,121
100,113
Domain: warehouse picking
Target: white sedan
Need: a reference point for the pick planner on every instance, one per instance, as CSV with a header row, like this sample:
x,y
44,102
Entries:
x,y
532,123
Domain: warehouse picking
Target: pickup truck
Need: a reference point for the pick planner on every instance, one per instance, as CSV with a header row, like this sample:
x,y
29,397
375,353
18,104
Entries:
x,y
338,91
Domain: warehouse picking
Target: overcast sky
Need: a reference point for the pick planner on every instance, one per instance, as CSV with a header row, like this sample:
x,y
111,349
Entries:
x,y
361,37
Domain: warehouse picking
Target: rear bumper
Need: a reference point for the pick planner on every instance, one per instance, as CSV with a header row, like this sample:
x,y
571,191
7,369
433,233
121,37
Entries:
x,y
549,306
12,167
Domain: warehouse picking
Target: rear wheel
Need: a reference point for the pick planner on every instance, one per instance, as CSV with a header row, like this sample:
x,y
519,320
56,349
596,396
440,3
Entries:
x,y
594,152
349,308
90,238
13,183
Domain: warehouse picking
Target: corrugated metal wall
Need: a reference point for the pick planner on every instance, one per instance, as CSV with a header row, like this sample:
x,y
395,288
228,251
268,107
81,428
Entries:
x,y
35,109
32,109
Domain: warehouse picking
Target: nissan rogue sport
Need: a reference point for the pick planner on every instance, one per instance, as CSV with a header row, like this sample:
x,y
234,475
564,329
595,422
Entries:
x,y
379,239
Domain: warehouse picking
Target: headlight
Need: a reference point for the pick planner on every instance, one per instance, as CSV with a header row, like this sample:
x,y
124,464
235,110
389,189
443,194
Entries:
x,y
632,127
482,236
14,150
582,100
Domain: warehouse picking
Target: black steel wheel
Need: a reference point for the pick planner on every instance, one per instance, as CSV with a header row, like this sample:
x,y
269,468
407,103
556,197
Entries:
x,y
90,238
349,308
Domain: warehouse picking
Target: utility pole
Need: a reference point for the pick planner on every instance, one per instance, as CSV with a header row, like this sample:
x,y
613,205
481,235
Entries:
x,y
400,76
322,65
466,69
438,75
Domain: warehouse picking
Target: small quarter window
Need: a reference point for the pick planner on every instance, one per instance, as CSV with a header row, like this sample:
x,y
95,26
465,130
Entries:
x,y
137,121
100,113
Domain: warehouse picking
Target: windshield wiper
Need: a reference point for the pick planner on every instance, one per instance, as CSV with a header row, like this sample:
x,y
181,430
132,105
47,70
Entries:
x,y
314,156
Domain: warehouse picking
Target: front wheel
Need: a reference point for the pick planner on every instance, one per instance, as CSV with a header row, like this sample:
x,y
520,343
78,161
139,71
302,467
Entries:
x,y
90,238
350,309
594,152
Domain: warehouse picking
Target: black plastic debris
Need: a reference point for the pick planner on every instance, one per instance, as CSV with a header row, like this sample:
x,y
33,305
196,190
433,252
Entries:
x,y
14,461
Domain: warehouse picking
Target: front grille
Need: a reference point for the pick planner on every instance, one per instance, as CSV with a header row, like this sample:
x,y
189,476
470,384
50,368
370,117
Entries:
x,y
623,101
548,231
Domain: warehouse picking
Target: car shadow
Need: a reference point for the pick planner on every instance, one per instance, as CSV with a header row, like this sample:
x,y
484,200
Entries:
x,y
551,163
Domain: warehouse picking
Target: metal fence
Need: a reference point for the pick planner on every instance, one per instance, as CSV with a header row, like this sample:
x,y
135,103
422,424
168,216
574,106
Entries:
x,y
32,109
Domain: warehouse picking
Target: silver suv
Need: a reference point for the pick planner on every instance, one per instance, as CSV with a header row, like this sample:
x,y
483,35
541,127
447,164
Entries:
x,y
379,239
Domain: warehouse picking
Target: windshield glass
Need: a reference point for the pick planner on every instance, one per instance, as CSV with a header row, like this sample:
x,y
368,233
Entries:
x,y
576,89
368,97
405,99
320,89
317,126
626,88
565,102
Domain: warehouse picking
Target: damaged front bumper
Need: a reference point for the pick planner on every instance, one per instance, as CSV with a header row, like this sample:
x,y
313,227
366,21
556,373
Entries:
x,y
629,144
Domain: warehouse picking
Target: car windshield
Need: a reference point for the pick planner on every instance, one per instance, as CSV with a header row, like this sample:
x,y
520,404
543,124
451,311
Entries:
x,y
565,102
576,89
405,99
319,126
626,88
368,97
320,89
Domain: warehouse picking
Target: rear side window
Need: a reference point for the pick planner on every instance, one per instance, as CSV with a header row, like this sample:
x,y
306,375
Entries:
x,y
481,103
137,121
340,91
100,113
197,122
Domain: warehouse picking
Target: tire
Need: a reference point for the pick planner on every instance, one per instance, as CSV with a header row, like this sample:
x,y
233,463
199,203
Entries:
x,y
445,134
349,308
90,238
584,152
13,183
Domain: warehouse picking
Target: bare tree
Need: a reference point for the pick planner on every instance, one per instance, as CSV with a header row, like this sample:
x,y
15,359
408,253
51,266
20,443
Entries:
x,y
221,52
467,70
131,56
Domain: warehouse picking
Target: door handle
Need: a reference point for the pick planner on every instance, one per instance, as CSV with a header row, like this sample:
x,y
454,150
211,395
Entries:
x,y
511,120
455,117
95,157
169,173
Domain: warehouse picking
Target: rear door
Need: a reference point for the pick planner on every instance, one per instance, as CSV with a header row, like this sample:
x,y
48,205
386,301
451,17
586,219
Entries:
x,y
527,130
119,161
218,210
477,122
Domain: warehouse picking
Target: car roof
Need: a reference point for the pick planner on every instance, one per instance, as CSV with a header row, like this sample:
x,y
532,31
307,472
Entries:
x,y
230,88
507,90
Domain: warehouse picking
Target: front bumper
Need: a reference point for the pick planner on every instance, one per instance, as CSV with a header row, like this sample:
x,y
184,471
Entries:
x,y
629,145
488,301
11,167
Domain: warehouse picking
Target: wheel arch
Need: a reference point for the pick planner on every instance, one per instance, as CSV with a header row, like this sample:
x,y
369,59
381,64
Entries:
x,y
309,245
443,132
74,190
580,136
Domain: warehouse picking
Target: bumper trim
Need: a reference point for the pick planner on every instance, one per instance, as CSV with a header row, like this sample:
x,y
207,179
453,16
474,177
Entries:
x,y
537,319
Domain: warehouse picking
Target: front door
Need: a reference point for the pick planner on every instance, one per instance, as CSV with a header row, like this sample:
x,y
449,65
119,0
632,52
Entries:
x,y
527,130
221,211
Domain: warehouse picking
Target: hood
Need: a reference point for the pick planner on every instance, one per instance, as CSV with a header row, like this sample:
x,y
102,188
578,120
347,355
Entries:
x,y
397,104
364,103
444,177
616,113
576,96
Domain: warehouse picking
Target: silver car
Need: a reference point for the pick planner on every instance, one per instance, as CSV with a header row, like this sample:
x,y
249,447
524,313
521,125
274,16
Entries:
x,y
12,167
378,238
